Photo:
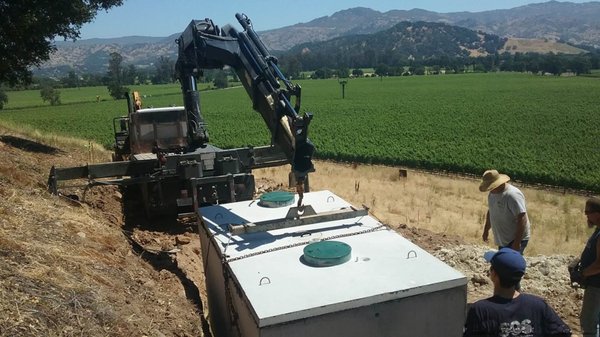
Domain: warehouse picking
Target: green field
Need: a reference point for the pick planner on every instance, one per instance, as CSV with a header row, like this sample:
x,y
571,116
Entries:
x,y
538,129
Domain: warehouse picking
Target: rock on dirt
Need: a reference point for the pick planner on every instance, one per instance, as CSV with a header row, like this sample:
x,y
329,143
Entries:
x,y
546,276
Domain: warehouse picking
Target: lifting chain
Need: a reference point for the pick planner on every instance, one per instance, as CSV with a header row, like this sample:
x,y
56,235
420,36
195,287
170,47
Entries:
x,y
303,243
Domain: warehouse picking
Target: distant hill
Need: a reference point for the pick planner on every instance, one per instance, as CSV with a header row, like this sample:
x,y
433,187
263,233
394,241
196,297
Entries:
x,y
404,41
570,22
92,55
551,21
123,41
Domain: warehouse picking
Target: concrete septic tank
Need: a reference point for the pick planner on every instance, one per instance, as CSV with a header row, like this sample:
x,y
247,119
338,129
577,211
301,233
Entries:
x,y
267,275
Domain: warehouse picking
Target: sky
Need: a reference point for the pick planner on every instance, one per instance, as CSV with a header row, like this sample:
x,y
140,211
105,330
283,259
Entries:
x,y
161,18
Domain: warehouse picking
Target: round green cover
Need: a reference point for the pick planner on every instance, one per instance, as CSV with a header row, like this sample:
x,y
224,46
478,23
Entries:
x,y
327,253
276,199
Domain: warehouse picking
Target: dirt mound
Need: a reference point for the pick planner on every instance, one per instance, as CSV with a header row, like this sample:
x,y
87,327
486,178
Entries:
x,y
546,276
71,268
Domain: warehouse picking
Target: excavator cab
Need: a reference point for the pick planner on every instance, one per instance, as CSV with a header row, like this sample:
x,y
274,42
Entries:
x,y
158,130
149,131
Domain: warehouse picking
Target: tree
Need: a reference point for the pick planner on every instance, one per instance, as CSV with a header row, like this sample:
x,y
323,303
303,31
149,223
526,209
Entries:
x,y
343,73
115,76
220,80
580,65
165,70
382,69
28,29
358,72
291,66
129,74
92,80
418,70
3,99
322,73
143,76
49,94
71,80
552,64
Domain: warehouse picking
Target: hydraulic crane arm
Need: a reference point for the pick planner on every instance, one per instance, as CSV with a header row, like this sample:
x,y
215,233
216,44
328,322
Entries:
x,y
202,45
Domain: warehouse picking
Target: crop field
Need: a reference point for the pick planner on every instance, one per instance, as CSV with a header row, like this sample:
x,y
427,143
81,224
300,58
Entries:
x,y
538,129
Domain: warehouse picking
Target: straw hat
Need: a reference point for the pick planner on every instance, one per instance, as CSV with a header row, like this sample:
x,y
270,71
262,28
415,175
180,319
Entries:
x,y
492,179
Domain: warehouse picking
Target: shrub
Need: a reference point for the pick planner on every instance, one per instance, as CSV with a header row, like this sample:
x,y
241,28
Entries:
x,y
49,94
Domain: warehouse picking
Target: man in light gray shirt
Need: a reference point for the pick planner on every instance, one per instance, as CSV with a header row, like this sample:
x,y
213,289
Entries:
x,y
507,212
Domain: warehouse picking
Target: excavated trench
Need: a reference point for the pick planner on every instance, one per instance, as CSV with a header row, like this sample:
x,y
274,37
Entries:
x,y
167,260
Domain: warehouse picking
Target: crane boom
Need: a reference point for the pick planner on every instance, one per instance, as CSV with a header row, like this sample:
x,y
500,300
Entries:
x,y
203,45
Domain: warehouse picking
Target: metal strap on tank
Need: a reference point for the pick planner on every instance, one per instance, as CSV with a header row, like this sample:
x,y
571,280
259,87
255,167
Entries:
x,y
298,216
304,243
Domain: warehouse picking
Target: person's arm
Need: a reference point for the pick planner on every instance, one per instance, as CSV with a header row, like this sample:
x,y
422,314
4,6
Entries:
x,y
472,327
593,268
486,227
553,325
521,224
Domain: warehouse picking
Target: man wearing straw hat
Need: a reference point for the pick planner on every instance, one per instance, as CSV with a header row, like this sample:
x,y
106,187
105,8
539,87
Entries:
x,y
507,213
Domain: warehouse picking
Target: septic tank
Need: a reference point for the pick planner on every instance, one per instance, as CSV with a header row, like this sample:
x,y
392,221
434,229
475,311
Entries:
x,y
322,270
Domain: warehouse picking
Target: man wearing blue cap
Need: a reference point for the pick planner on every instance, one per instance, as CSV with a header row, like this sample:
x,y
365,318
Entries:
x,y
509,312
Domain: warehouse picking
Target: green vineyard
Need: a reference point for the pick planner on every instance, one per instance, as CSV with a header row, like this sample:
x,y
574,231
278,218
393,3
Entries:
x,y
538,129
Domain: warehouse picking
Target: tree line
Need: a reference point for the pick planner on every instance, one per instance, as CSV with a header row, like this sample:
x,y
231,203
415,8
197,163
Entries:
x,y
413,48
535,63
116,79
120,75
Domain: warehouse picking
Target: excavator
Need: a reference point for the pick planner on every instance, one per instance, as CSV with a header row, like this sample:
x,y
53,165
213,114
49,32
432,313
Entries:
x,y
163,161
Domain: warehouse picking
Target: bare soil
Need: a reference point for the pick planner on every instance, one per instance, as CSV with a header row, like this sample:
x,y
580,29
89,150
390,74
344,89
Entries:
x,y
73,268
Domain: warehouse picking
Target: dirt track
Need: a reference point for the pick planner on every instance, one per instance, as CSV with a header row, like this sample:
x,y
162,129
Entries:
x,y
72,262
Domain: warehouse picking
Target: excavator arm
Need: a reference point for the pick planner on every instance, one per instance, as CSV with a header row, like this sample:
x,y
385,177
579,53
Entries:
x,y
203,45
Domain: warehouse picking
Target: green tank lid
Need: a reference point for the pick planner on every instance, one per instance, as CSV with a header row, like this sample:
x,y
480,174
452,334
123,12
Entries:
x,y
326,253
276,199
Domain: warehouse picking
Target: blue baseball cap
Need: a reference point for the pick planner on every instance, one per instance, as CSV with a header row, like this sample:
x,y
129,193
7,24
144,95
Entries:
x,y
507,262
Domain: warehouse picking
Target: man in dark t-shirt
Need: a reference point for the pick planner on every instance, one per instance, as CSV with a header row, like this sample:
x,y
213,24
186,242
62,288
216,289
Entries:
x,y
590,270
510,313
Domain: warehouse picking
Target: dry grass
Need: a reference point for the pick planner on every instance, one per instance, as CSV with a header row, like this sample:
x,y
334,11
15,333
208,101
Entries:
x,y
90,152
446,204
544,46
64,272
68,270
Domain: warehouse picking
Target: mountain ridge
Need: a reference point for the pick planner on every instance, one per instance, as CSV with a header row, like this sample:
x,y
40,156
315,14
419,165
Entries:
x,y
405,41
558,21
572,22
